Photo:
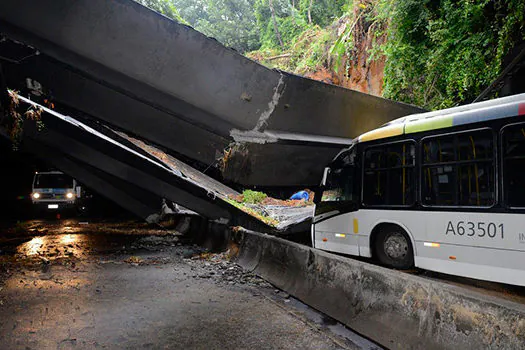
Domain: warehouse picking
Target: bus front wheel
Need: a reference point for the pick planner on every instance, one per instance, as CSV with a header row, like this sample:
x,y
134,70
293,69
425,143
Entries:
x,y
393,248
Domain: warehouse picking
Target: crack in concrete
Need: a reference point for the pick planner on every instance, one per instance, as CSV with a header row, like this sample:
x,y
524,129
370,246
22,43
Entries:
x,y
277,93
257,135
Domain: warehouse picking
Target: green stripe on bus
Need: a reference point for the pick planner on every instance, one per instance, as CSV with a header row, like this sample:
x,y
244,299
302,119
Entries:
x,y
428,124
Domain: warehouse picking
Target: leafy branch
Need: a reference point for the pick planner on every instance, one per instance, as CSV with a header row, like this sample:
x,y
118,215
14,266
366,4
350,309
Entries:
x,y
17,121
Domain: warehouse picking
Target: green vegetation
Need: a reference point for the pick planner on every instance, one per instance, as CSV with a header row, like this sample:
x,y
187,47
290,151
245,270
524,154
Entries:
x,y
16,123
295,35
282,22
307,53
443,53
266,219
232,22
165,7
436,53
253,197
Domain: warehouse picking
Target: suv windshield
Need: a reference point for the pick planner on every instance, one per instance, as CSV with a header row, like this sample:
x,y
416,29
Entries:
x,y
53,181
340,178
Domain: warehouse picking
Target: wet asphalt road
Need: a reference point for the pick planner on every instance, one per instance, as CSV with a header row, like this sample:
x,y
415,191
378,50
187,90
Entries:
x,y
76,290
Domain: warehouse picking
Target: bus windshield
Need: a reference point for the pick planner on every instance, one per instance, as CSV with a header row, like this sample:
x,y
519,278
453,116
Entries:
x,y
53,181
339,184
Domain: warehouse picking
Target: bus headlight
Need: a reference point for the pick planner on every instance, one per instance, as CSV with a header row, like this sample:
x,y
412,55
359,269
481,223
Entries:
x,y
69,195
36,195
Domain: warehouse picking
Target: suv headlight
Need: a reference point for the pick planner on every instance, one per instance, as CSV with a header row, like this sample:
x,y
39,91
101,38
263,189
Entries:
x,y
36,195
69,195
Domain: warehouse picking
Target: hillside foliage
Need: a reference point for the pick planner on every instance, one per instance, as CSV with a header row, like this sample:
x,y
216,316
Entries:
x,y
165,7
433,53
443,53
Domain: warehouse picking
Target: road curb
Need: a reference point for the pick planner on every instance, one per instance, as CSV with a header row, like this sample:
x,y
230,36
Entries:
x,y
397,310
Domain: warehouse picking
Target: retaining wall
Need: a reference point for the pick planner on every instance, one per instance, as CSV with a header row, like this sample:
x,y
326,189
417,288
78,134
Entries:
x,y
397,310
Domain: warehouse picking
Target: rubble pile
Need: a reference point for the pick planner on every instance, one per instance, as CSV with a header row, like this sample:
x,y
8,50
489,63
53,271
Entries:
x,y
222,270
277,213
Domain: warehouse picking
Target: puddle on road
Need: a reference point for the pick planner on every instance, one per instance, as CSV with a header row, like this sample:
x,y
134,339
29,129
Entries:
x,y
39,261
53,247
80,246
32,247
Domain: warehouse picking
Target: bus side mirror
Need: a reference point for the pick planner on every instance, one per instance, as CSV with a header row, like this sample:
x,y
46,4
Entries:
x,y
325,176
319,193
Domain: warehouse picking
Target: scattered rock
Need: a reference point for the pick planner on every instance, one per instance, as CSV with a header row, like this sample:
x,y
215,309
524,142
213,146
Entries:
x,y
221,270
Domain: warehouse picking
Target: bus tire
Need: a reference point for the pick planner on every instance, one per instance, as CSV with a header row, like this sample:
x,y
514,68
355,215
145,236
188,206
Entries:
x,y
393,248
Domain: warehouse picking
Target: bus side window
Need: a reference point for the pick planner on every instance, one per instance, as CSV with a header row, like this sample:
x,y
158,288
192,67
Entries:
x,y
458,169
513,165
340,179
438,176
388,175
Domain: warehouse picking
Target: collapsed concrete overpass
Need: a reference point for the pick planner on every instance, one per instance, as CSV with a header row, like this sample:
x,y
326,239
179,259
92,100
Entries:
x,y
139,177
133,69
131,77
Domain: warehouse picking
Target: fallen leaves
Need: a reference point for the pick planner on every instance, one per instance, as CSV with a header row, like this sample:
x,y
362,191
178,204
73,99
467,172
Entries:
x,y
134,260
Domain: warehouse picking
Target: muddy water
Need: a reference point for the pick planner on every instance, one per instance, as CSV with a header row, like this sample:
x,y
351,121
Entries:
x,y
54,247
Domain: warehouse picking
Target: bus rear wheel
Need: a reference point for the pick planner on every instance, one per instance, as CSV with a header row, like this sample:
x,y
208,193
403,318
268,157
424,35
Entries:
x,y
393,248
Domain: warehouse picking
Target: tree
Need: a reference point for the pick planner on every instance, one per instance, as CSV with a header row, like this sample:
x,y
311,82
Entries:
x,y
275,26
310,12
321,12
165,7
281,22
231,22
440,54
192,10
278,22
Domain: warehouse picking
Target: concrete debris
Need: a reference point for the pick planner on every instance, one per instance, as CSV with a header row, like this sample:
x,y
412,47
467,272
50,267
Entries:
x,y
280,214
157,240
153,218
221,270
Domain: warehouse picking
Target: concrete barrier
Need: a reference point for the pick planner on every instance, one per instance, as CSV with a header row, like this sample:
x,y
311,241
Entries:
x,y
397,310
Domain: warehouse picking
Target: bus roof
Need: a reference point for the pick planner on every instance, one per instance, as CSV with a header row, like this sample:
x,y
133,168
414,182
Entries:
x,y
472,113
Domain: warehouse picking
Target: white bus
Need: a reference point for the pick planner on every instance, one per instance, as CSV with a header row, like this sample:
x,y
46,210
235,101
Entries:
x,y
442,191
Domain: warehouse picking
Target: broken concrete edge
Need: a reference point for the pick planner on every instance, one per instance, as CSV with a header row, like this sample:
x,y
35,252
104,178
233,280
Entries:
x,y
159,168
395,309
218,236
